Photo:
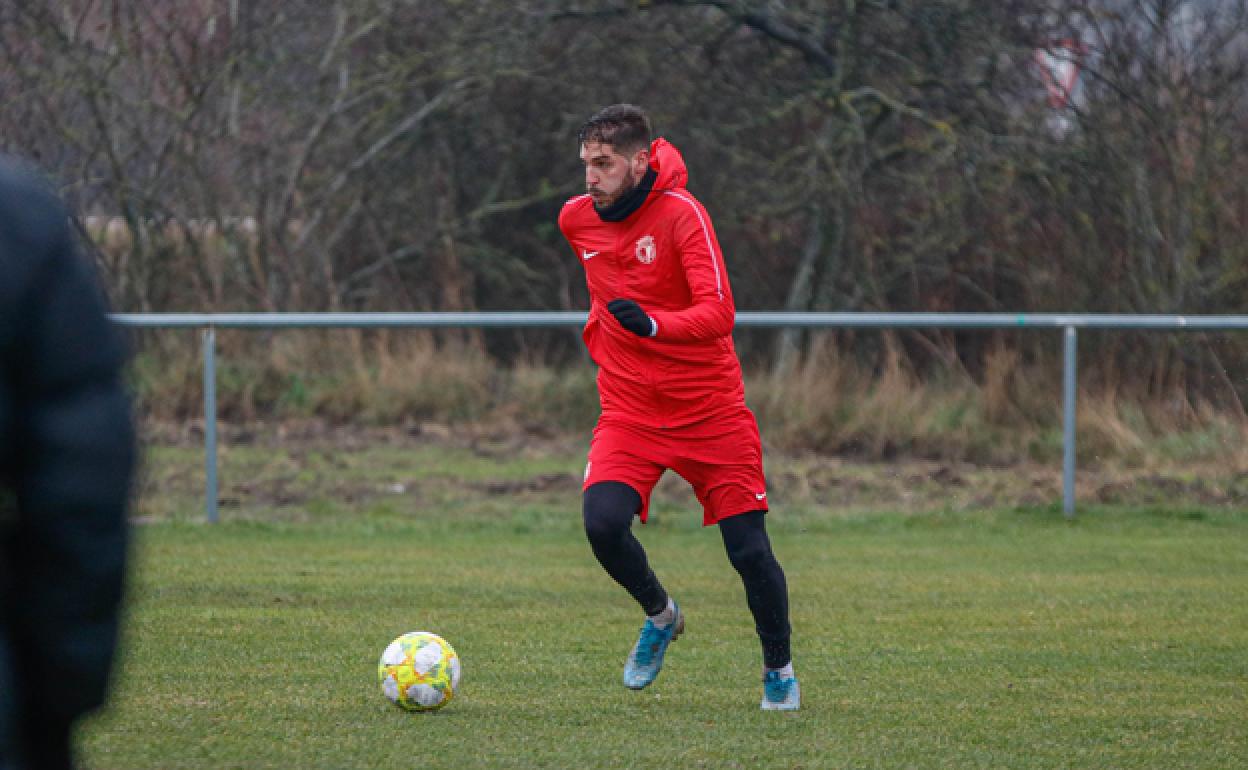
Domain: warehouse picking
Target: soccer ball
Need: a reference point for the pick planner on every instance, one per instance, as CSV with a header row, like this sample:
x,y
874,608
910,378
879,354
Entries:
x,y
419,671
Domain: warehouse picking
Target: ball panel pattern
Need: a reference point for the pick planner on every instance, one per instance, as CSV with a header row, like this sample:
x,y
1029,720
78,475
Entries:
x,y
419,671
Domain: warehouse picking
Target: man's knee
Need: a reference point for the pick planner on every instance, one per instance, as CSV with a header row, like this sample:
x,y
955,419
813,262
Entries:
x,y
747,544
608,509
751,555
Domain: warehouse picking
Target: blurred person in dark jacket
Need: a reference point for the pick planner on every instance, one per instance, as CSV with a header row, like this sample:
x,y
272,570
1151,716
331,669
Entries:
x,y
66,458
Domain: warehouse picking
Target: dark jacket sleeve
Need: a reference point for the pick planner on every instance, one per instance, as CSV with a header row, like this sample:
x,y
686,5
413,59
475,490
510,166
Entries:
x,y
71,461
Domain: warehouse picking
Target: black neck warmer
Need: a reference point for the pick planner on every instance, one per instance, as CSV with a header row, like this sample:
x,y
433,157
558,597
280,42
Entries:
x,y
630,201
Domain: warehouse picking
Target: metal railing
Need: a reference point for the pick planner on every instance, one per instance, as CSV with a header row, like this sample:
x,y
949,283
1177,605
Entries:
x,y
1069,324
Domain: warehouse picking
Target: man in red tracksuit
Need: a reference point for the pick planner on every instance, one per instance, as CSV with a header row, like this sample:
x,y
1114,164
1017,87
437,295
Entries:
x,y
660,330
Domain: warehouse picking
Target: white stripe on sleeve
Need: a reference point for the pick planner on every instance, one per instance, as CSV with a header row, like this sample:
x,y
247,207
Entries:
x,y
710,246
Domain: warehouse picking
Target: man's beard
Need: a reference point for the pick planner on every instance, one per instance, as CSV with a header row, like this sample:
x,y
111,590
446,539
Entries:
x,y
626,187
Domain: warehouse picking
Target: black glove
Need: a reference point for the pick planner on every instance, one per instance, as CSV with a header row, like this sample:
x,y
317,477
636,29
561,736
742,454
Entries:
x,y
631,317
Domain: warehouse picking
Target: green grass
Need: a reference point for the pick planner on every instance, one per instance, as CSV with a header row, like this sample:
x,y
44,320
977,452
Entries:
x,y
1007,638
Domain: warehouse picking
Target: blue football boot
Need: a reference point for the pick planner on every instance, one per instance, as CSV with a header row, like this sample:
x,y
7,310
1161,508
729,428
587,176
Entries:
x,y
780,692
646,658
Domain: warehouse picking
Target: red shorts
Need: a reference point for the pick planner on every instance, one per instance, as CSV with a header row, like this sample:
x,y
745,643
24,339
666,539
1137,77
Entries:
x,y
721,458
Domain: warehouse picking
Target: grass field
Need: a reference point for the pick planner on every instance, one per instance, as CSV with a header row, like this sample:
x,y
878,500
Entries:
x,y
949,637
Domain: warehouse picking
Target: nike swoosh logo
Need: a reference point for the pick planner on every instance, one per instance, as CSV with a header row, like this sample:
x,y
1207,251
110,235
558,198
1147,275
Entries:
x,y
588,255
760,495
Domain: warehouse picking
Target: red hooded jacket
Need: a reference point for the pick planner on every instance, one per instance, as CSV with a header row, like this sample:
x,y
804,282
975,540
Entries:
x,y
664,256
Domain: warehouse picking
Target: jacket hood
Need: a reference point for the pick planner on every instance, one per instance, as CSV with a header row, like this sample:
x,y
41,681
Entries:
x,y
670,165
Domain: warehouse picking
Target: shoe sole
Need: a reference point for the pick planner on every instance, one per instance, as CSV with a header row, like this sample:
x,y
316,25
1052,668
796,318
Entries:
x,y
782,707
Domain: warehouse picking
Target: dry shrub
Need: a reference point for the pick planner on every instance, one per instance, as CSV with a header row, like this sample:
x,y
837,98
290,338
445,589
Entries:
x,y
1137,431
416,377
829,403
834,403
1104,430
1001,372
552,399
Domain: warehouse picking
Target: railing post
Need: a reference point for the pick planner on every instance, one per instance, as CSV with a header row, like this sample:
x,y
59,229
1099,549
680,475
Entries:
x,y
1068,425
210,424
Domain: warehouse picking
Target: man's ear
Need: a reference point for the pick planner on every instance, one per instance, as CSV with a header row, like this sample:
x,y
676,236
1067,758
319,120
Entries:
x,y
641,162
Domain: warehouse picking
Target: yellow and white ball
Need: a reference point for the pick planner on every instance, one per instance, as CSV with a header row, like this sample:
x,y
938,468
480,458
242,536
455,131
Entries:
x,y
419,671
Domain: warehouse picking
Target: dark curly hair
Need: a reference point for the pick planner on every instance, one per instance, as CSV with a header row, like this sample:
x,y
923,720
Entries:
x,y
626,127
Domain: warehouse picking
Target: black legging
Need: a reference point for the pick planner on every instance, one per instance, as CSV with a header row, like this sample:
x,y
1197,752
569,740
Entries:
x,y
609,508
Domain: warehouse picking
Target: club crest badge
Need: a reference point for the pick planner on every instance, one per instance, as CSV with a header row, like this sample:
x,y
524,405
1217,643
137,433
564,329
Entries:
x,y
646,251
